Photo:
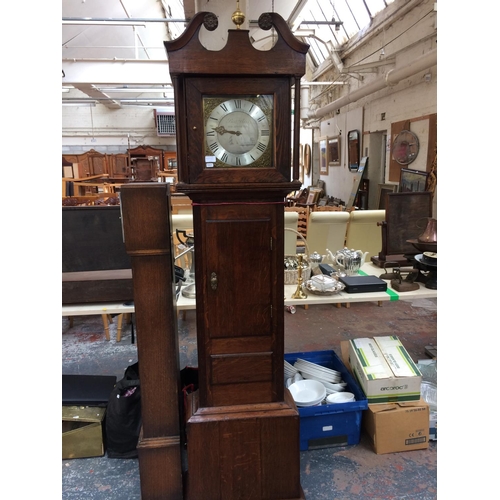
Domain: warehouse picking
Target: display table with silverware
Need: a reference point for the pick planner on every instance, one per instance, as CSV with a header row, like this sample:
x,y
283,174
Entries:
x,y
185,303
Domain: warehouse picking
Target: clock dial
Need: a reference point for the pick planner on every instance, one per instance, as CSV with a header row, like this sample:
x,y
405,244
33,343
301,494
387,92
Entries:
x,y
238,130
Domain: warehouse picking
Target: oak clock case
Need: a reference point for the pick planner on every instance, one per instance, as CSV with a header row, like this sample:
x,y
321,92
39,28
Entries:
x,y
234,138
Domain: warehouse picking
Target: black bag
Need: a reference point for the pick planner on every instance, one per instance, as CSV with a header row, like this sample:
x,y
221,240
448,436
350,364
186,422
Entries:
x,y
123,416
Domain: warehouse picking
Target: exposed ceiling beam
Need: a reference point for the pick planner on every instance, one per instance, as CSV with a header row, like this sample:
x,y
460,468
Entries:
x,y
109,72
103,98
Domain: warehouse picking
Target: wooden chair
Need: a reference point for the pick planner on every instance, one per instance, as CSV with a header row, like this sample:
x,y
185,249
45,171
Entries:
x,y
328,208
302,222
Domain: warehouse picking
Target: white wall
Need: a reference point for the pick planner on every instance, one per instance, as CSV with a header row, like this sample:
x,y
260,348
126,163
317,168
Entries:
x,y
408,35
110,130
339,181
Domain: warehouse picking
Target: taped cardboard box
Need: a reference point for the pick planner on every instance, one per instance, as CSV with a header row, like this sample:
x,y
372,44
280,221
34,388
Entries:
x,y
396,427
82,431
384,369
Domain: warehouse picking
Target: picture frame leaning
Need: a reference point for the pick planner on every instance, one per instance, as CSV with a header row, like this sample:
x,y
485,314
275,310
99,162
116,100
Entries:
x,y
334,151
383,189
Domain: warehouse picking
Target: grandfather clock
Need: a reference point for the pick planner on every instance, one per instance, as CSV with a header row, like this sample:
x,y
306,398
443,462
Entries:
x,y
233,112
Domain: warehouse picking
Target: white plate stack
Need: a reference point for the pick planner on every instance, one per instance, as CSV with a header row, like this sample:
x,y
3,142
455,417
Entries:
x,y
290,370
331,379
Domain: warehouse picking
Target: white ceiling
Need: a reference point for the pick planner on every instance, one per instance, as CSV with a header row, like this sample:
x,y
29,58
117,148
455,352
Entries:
x,y
113,52
99,54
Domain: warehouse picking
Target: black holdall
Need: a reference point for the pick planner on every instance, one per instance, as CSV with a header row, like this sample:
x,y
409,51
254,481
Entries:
x,y
123,416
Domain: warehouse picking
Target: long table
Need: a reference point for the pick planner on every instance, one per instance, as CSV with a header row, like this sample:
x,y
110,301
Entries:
x,y
185,304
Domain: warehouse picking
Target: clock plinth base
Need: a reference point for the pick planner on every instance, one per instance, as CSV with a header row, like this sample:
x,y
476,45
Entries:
x,y
244,452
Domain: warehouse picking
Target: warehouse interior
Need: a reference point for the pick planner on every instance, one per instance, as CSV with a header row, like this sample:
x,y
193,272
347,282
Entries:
x,y
115,80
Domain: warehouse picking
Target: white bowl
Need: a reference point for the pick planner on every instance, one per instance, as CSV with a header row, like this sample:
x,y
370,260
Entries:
x,y
340,397
307,392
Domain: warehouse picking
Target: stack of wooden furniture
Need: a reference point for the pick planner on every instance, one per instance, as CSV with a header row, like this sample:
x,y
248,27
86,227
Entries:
x,y
93,172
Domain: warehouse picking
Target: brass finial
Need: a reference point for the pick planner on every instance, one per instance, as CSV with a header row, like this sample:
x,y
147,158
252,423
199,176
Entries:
x,y
238,17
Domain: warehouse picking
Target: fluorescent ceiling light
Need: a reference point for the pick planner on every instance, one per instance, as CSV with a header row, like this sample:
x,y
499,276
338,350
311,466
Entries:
x,y
131,89
103,23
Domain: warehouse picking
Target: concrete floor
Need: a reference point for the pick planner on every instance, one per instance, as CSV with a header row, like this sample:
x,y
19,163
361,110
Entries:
x,y
336,473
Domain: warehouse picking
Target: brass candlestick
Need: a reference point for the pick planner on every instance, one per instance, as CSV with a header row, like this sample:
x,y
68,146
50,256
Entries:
x,y
299,293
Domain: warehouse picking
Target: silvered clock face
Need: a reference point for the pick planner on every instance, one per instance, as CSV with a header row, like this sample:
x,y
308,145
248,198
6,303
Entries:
x,y
238,130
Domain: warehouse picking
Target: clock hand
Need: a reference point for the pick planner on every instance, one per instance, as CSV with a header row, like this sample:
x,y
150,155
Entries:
x,y
221,130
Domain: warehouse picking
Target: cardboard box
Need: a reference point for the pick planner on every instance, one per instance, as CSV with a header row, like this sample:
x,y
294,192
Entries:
x,y
331,424
384,370
396,427
82,431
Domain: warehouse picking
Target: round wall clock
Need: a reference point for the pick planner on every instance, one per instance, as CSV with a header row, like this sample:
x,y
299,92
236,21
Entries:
x,y
238,128
405,147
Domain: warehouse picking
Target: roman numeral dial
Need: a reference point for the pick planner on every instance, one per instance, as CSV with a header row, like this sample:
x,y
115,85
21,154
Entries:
x,y
238,130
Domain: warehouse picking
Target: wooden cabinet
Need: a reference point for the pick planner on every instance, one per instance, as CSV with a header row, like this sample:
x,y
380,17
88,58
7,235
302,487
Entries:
x,y
144,169
148,153
141,164
118,167
89,163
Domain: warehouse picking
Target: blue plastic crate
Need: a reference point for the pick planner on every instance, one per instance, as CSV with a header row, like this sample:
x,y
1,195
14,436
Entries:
x,y
332,424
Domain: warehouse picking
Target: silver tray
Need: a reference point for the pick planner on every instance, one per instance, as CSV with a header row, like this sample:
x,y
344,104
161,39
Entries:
x,y
308,286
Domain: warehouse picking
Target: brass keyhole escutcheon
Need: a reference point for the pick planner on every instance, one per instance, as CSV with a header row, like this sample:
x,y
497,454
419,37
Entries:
x,y
213,281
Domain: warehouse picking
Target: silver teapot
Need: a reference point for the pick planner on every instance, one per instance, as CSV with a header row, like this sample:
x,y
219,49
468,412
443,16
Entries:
x,y
348,261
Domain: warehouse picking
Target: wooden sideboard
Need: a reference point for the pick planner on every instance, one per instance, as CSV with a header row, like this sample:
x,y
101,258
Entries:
x,y
118,166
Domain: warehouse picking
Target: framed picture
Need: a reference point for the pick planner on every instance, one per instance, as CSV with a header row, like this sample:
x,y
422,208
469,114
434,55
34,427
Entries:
x,y
314,194
323,157
310,198
383,189
334,151
412,181
68,172
353,150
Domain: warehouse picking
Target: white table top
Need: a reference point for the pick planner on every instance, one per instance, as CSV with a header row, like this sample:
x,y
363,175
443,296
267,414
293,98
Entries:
x,y
184,304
